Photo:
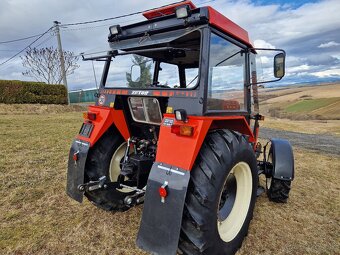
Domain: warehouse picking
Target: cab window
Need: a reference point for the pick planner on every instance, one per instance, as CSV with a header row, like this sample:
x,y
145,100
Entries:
x,y
226,75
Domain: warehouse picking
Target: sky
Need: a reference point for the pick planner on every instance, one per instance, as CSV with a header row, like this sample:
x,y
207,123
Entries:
x,y
309,31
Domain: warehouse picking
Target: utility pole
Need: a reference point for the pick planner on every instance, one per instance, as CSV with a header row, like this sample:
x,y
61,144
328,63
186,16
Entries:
x,y
62,60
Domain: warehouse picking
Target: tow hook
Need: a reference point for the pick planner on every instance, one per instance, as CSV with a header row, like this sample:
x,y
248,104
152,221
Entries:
x,y
93,185
135,199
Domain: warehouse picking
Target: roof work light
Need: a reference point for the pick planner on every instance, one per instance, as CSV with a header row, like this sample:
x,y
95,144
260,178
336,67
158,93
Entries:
x,y
181,115
115,30
183,12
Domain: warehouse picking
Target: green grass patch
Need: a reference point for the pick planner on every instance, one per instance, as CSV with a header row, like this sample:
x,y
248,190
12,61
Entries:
x,y
311,104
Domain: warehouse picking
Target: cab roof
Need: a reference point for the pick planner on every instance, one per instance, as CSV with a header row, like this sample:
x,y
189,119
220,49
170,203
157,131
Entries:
x,y
216,19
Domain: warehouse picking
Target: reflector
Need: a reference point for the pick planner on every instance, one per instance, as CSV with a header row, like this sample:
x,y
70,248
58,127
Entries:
x,y
162,192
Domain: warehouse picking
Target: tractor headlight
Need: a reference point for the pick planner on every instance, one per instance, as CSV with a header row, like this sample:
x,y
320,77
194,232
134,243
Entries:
x,y
183,12
115,30
145,110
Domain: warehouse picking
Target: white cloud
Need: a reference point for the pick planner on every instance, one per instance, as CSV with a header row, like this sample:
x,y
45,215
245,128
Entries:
x,y
329,44
327,73
263,44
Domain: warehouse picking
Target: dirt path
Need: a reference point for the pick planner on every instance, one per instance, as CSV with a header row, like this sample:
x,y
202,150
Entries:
x,y
323,143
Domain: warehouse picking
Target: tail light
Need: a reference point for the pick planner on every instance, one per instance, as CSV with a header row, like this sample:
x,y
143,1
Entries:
x,y
89,115
182,130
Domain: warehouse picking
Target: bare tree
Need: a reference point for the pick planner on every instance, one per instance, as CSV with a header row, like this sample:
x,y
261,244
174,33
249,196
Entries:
x,y
44,64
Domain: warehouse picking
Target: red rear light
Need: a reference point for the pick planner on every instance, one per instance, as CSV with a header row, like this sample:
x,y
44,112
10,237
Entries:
x,y
182,130
89,115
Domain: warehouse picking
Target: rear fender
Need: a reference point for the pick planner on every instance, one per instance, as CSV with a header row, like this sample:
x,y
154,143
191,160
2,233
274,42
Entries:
x,y
161,222
105,117
283,160
182,151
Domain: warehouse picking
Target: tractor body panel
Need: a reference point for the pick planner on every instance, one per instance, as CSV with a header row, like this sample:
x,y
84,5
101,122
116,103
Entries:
x,y
105,117
89,134
182,151
283,160
76,166
161,221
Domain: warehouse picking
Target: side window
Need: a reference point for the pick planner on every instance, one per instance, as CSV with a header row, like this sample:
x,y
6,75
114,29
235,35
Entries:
x,y
226,75
168,75
191,75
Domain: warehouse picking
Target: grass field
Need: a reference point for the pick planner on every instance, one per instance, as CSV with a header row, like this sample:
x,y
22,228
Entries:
x,y
36,216
302,103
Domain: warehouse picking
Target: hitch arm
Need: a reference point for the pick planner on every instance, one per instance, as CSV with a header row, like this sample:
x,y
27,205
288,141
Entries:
x,y
93,185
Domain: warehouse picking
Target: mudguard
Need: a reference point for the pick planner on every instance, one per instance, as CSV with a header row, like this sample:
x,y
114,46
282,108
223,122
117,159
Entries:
x,y
161,222
283,159
76,169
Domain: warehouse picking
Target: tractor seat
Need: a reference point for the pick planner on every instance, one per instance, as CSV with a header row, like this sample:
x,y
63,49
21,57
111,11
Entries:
x,y
221,104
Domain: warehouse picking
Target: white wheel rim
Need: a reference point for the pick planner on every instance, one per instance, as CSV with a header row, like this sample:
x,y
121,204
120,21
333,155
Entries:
x,y
114,169
231,226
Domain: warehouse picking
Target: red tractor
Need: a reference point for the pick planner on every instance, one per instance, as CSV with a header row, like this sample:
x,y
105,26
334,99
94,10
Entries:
x,y
176,127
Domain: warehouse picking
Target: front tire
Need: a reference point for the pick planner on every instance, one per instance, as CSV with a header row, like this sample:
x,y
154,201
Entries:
x,y
277,190
221,196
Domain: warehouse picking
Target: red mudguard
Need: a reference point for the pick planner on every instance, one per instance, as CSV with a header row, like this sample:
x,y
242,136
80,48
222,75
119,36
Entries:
x,y
181,151
105,117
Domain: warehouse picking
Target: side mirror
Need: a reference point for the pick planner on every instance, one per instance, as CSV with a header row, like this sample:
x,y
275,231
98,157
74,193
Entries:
x,y
135,73
279,65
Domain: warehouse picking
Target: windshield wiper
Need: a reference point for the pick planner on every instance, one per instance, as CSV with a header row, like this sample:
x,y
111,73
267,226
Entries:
x,y
116,53
240,51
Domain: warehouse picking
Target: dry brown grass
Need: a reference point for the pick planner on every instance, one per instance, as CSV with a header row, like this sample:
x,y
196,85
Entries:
x,y
291,94
36,216
329,127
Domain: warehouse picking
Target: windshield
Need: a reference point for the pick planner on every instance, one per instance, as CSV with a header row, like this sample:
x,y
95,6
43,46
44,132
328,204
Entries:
x,y
173,64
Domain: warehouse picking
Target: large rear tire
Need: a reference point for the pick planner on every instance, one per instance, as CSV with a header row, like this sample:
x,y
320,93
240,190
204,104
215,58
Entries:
x,y
221,196
104,160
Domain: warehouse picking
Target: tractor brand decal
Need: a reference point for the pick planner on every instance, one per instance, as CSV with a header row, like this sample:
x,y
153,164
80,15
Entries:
x,y
115,91
140,92
175,93
168,122
157,93
101,100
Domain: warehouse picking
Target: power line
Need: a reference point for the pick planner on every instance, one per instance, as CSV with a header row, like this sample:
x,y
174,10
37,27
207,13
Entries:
x,y
26,47
64,28
46,40
20,39
117,17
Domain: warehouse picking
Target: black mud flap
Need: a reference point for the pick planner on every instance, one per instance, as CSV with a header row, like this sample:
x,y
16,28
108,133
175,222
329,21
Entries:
x,y
283,160
161,221
76,168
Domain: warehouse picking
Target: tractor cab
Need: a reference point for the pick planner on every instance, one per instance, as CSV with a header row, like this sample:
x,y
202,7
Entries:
x,y
183,57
